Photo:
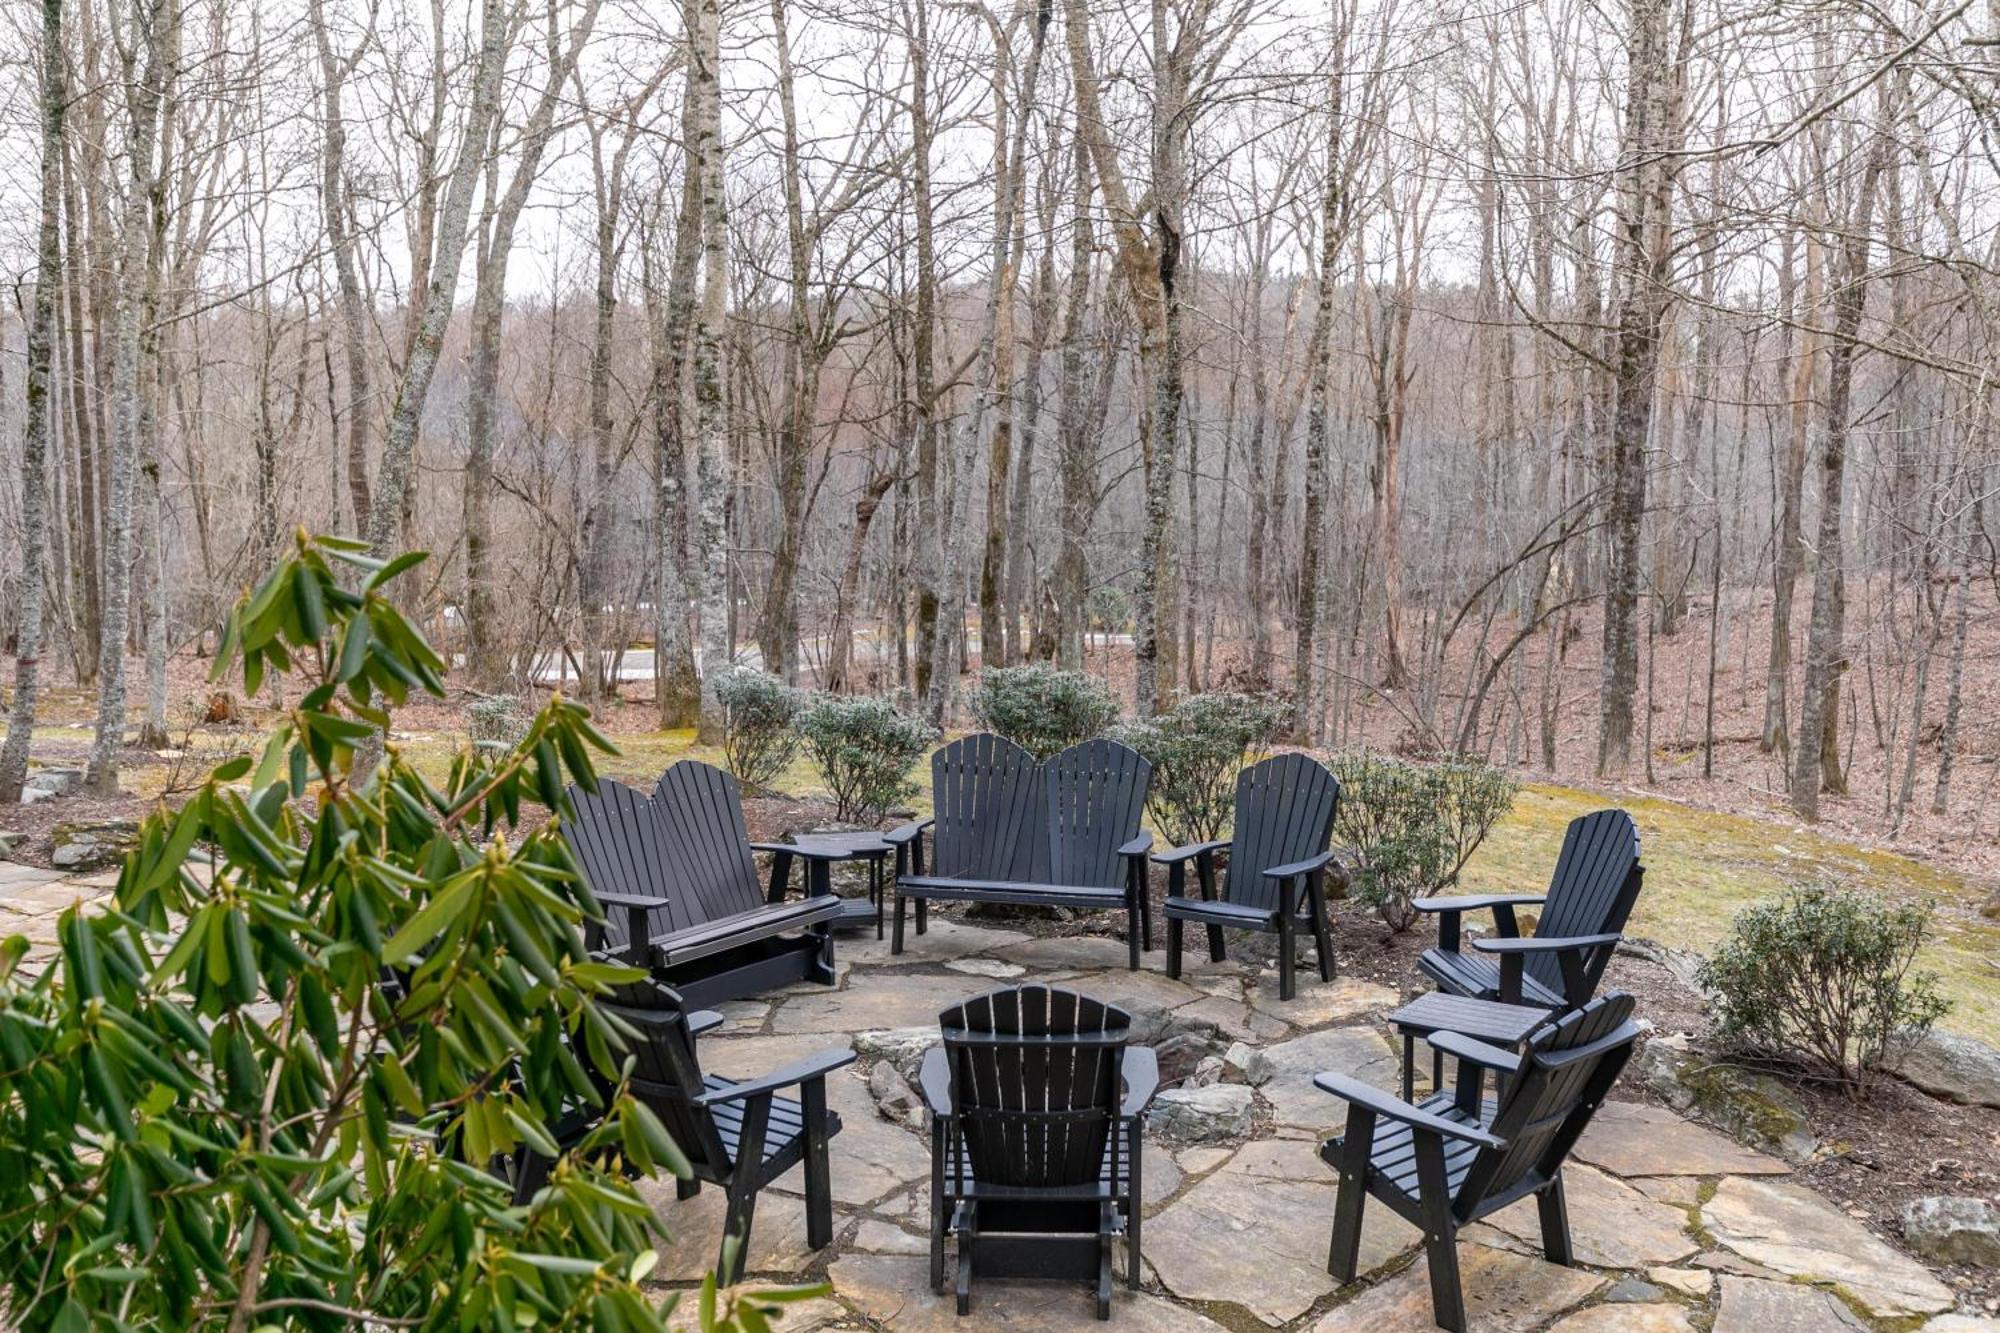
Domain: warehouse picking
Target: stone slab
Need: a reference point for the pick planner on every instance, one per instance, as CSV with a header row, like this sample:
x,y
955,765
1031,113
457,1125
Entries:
x,y
1792,1230
875,1000
1504,1293
1636,1139
1255,1232
945,940
1751,1305
1611,1224
1652,1317
1358,1052
1344,999
895,1291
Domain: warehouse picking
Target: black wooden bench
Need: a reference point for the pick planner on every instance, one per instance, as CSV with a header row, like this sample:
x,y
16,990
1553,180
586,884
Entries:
x,y
1007,829
676,878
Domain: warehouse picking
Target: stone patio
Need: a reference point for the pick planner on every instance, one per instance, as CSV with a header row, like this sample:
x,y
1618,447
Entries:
x,y
1676,1227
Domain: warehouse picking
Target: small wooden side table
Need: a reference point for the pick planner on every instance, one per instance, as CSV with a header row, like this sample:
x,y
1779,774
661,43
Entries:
x,y
1503,1025
863,845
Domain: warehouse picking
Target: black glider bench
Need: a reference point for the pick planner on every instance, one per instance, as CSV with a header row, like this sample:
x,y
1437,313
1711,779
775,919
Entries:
x,y
676,878
1007,829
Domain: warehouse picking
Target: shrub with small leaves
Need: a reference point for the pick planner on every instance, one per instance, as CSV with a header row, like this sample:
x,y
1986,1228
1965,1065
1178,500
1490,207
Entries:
x,y
1043,708
864,749
1827,977
1414,826
1196,748
1389,816
214,1113
758,710
498,719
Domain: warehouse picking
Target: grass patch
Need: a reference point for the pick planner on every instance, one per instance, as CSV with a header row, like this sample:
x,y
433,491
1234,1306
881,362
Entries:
x,y
1702,867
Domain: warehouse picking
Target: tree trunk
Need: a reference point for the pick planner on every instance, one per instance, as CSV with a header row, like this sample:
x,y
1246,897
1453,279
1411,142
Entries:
x,y
1643,252
1819,704
1077,462
393,491
1788,562
711,423
53,106
677,684
340,240
144,75
930,537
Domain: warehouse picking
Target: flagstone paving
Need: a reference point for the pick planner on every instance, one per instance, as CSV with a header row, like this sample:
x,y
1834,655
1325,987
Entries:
x,y
1676,1227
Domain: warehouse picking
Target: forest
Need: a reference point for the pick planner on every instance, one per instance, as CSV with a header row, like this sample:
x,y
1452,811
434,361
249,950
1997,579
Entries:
x,y
1602,389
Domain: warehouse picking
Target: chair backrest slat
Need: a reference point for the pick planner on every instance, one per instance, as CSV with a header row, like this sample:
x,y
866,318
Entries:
x,y
1567,1067
1284,814
986,800
666,1073
1096,794
1591,892
617,843
1036,1080
700,809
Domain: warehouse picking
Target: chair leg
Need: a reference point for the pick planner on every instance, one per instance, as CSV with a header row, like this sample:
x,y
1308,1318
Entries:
x,y
1288,966
744,1182
896,935
1216,953
1322,929
1135,1206
819,1182
1107,1230
967,1223
1174,932
1440,1233
923,915
823,968
938,1219
1132,934
686,1189
1145,890
1555,1223
1359,1136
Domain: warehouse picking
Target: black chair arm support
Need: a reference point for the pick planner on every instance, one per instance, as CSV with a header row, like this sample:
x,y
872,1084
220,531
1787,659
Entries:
x,y
1373,1099
1462,1047
1139,846
1448,911
1570,955
1142,1080
1176,854
1305,867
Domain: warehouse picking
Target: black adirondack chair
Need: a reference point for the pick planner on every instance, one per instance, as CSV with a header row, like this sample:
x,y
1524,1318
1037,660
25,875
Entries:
x,y
738,1134
1064,833
1037,1114
1597,879
676,878
1458,1155
1277,856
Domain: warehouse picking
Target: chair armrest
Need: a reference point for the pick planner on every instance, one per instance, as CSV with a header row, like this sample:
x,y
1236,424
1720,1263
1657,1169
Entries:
x,y
1570,955
793,849
818,1065
629,899
1578,943
1142,1079
704,1020
1173,854
1448,911
1305,867
1139,846
1462,1047
934,1081
1476,902
903,833
1381,1103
